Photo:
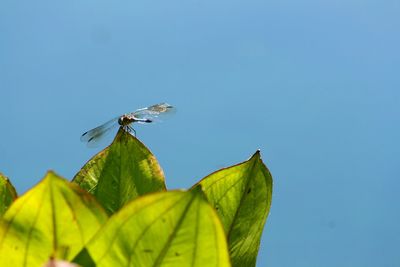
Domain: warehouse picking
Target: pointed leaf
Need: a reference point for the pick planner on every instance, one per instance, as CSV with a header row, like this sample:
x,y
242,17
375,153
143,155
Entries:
x,y
121,172
241,194
173,228
54,220
7,194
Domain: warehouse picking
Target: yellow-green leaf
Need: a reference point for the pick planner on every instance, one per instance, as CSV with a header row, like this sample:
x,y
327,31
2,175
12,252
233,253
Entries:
x,y
121,172
173,228
54,220
241,194
7,194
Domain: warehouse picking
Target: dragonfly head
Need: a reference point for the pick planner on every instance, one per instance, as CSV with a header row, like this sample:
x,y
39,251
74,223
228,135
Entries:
x,y
125,120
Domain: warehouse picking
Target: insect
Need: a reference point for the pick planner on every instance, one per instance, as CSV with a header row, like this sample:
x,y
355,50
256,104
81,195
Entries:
x,y
144,115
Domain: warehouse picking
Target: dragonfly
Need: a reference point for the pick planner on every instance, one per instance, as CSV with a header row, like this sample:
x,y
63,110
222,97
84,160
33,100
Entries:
x,y
143,116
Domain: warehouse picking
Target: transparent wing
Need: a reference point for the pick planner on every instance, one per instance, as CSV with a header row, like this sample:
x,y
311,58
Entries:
x,y
93,136
154,112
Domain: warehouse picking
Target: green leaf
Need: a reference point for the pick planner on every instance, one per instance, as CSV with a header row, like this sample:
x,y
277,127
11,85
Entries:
x,y
84,259
241,194
54,220
174,228
7,194
121,172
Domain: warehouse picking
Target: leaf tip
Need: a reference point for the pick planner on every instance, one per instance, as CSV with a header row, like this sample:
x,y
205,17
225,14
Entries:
x,y
123,135
51,174
256,155
4,177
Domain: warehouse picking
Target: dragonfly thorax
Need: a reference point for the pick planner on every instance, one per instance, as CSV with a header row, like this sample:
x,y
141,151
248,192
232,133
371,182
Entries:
x,y
125,120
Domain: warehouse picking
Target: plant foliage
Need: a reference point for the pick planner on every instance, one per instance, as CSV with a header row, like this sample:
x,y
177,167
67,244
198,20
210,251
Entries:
x,y
218,222
55,219
173,228
7,194
121,172
242,196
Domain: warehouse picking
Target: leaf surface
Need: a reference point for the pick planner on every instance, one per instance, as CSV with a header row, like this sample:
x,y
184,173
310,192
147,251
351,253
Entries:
x,y
121,172
241,194
54,220
174,228
7,194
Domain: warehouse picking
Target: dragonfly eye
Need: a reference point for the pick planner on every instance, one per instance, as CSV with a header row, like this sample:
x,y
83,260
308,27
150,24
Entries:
x,y
120,121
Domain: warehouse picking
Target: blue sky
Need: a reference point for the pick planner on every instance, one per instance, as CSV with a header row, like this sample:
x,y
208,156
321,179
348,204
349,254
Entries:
x,y
313,84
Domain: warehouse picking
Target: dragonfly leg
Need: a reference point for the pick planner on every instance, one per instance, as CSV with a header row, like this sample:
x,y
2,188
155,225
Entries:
x,y
130,129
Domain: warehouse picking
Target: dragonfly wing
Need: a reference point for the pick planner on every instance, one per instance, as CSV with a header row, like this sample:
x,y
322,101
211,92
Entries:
x,y
94,135
154,112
